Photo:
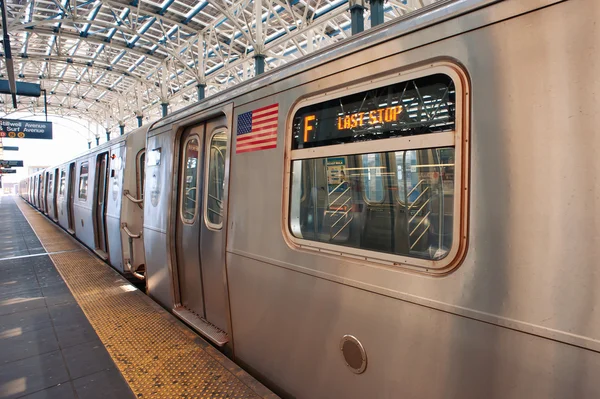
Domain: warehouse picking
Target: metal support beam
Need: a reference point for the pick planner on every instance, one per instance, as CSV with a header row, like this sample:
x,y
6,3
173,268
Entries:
x,y
357,10
140,120
8,61
376,12
259,64
165,109
122,128
201,91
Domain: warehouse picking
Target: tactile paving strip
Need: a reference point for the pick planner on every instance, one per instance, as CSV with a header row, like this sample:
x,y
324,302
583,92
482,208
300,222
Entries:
x,y
158,356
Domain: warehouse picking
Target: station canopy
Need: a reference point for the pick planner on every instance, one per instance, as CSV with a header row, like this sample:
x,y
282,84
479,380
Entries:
x,y
109,61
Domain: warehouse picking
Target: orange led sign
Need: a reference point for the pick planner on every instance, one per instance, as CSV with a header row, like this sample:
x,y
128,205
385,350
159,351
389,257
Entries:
x,y
374,117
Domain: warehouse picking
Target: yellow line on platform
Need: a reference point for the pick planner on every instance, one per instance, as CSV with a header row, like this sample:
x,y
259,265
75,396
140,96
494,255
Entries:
x,y
158,356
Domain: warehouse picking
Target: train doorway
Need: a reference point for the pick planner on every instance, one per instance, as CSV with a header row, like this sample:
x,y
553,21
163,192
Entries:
x,y
202,301
100,204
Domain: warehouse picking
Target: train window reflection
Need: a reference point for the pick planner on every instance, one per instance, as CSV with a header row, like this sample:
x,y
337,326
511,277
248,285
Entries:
x,y
408,211
189,194
83,181
217,154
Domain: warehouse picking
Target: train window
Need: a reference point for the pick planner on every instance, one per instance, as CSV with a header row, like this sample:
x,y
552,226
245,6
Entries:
x,y
217,153
141,167
61,189
83,181
374,172
189,195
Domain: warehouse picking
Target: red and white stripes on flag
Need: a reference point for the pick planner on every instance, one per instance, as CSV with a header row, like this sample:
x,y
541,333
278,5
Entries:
x,y
257,129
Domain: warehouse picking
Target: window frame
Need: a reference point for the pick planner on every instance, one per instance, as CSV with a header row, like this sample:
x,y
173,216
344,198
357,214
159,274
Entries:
x,y
182,187
87,182
458,139
207,222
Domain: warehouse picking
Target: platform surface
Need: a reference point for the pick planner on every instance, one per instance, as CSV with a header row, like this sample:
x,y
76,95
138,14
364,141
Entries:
x,y
72,327
48,349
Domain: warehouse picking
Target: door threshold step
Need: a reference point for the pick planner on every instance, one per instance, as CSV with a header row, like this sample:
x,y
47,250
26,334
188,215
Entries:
x,y
101,254
213,333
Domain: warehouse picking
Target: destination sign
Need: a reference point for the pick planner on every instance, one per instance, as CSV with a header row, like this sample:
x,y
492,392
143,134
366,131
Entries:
x,y
6,171
9,148
419,106
20,129
10,164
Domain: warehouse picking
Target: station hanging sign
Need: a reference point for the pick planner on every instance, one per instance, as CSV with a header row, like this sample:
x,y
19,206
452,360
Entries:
x,y
5,171
20,129
10,164
9,148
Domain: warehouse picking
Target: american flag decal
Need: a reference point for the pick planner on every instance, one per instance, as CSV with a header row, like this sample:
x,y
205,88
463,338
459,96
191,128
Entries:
x,y
257,130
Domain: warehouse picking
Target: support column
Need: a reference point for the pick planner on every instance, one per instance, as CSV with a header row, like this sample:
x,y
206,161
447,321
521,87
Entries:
x,y
122,128
201,91
89,145
357,10
165,109
97,140
259,64
376,12
140,120
107,135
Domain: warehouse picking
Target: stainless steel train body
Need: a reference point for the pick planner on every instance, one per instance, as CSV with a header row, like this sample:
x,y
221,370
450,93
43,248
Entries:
x,y
97,198
423,224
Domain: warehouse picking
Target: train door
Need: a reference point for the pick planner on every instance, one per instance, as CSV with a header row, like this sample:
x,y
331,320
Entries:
x,y
198,302
100,204
212,236
71,197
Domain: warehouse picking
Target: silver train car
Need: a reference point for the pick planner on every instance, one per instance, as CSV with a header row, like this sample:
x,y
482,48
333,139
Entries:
x,y
97,198
400,215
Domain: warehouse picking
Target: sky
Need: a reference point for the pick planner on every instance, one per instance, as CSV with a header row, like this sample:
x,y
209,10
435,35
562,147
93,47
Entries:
x,y
70,138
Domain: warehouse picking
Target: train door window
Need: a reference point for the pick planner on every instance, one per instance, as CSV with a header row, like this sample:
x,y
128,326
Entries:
x,y
50,184
83,181
61,189
373,172
190,180
216,154
140,169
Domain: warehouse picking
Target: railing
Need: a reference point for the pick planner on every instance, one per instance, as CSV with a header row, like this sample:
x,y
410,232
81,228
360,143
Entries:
x,y
131,198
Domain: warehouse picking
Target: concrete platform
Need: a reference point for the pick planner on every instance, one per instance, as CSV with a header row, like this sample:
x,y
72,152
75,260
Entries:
x,y
72,327
48,348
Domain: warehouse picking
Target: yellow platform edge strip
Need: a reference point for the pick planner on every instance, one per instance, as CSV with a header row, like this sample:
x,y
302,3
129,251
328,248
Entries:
x,y
158,356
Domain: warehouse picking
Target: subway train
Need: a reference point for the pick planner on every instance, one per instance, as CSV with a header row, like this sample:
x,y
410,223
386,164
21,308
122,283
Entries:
x,y
404,214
